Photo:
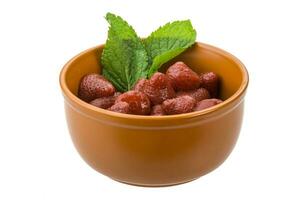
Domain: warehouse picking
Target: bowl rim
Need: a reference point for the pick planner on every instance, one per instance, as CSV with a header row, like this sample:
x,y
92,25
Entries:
x,y
241,90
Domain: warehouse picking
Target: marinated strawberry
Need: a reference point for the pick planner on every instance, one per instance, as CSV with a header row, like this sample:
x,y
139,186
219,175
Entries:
x,y
210,81
157,110
121,107
139,104
93,86
182,77
141,85
158,88
156,96
206,103
178,105
105,102
198,94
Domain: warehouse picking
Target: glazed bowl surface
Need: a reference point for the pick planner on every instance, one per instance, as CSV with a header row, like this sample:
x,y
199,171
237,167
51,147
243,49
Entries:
x,y
157,150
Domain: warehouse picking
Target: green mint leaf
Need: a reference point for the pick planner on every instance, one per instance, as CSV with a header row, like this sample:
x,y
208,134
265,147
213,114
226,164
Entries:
x,y
167,42
124,58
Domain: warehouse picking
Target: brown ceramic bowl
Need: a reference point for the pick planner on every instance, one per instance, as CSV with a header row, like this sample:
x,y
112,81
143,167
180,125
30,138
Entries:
x,y
157,150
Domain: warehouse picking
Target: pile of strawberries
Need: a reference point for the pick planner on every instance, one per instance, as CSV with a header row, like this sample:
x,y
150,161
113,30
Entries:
x,y
179,90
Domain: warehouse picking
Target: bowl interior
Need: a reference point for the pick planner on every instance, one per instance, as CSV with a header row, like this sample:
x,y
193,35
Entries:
x,y
200,57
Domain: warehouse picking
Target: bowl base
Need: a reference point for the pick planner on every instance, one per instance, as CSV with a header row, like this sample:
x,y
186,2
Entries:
x,y
154,185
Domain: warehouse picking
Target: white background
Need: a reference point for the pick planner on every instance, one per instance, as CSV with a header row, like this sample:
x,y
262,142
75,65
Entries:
x,y
37,157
